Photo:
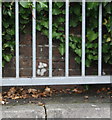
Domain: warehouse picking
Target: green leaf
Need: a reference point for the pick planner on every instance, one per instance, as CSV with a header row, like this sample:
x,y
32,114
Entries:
x,y
7,57
78,59
6,24
106,58
43,5
90,56
59,4
38,27
9,44
91,5
91,35
73,46
95,57
105,48
45,32
88,62
78,52
24,4
10,31
74,21
9,13
56,11
108,8
45,24
62,49
77,9
60,19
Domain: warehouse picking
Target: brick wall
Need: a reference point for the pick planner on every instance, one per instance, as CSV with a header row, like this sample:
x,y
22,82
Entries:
x,y
43,59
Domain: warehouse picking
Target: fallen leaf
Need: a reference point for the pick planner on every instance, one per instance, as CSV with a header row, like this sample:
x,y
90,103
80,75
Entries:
x,y
32,90
35,96
40,104
86,97
77,91
47,89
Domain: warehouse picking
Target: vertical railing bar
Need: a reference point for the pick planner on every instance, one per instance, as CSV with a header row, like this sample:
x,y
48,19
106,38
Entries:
x,y
83,36
17,37
67,40
100,42
34,39
50,38
0,40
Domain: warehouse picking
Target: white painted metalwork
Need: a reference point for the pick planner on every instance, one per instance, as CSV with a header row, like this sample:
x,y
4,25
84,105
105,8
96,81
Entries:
x,y
83,36
17,37
57,80
50,38
67,40
34,40
100,42
67,80
0,40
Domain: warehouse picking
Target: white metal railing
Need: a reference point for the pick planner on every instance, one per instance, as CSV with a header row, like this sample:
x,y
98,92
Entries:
x,y
17,38
0,40
50,38
83,79
34,40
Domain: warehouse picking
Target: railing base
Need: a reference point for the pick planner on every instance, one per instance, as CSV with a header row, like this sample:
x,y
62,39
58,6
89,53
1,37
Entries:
x,y
56,81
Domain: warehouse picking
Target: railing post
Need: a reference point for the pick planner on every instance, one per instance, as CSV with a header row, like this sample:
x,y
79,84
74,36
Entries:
x,y
34,40
17,37
67,40
50,38
100,42
0,40
83,36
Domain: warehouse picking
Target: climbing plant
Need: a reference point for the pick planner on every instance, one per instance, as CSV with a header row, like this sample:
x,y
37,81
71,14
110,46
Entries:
x,y
59,28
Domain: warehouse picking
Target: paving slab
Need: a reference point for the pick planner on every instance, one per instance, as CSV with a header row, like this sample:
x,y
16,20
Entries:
x,y
78,110
76,106
61,106
23,111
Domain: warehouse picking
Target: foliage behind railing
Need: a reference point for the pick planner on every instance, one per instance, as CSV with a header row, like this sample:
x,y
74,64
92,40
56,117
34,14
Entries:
x,y
59,28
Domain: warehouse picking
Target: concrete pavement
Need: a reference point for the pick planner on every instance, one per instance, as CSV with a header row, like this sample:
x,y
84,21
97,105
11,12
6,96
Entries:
x,y
76,110
62,106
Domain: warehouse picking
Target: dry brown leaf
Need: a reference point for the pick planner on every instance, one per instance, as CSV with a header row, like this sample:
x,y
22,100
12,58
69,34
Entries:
x,y
12,90
109,93
24,96
86,97
108,88
104,89
42,94
77,91
40,104
68,89
0,96
98,91
32,90
35,96
16,97
47,89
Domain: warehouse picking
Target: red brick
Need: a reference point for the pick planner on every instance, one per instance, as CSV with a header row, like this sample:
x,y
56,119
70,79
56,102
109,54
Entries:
x,y
58,72
9,72
41,39
25,62
26,72
74,72
25,39
25,51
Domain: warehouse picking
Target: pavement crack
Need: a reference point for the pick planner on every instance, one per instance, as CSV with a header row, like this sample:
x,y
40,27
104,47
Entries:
x,y
45,111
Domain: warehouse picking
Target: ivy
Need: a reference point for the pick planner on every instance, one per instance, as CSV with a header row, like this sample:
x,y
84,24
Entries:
x,y
58,12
